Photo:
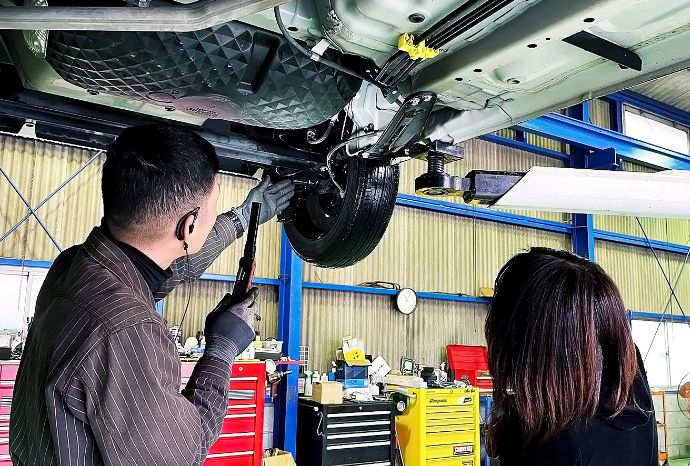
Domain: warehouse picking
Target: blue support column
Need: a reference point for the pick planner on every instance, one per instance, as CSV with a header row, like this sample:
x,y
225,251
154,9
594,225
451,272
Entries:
x,y
583,224
289,331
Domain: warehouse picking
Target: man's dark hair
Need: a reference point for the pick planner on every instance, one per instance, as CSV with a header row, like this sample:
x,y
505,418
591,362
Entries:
x,y
154,174
559,346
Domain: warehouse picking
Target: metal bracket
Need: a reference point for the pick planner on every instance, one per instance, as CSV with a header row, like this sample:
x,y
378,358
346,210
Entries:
x,y
605,49
603,159
407,125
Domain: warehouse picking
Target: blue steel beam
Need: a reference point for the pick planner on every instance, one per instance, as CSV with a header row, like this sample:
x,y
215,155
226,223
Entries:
x,y
637,241
583,224
389,292
289,332
588,136
463,210
653,316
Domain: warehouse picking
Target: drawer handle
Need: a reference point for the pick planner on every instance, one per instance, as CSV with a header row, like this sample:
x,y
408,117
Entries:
x,y
229,455
370,413
6,383
241,406
244,434
359,424
5,458
239,416
358,445
387,433
244,379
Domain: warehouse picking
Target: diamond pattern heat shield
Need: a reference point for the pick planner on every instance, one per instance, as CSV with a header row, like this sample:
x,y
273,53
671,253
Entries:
x,y
233,72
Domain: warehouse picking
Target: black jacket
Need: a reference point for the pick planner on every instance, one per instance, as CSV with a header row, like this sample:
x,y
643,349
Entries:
x,y
628,439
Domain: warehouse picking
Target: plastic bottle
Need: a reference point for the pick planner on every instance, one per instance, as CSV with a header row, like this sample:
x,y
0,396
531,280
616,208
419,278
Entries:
x,y
307,384
324,377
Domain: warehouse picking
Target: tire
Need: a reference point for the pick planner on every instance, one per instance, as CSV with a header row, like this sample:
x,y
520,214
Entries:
x,y
350,231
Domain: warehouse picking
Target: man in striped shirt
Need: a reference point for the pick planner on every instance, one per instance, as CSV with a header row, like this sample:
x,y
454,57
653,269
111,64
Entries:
x,y
99,379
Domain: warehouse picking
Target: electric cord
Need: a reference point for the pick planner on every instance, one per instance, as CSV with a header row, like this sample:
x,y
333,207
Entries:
x,y
189,295
380,284
314,56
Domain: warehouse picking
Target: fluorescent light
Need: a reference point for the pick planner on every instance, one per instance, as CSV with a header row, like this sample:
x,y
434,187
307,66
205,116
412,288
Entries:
x,y
664,194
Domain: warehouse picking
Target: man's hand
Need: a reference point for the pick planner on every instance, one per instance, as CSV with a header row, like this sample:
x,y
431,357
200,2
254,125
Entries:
x,y
272,197
229,327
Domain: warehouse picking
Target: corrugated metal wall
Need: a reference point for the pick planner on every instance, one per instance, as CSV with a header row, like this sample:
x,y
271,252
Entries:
x,y
425,251
328,316
636,270
37,168
431,252
206,294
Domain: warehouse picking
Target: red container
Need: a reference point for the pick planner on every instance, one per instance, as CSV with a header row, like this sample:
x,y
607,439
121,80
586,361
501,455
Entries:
x,y
470,361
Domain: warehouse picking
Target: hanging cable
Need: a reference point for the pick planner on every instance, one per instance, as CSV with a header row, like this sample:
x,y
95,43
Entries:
x,y
189,296
316,57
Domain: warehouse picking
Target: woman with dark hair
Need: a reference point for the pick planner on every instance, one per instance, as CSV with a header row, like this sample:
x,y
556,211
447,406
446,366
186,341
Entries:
x,y
569,384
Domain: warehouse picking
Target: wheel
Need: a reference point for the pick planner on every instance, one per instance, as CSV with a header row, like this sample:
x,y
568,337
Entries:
x,y
330,231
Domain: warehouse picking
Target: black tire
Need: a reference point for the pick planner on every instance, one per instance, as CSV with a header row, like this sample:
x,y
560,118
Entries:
x,y
356,225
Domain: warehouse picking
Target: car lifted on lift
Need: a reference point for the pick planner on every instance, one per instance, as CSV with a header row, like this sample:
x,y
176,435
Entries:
x,y
333,94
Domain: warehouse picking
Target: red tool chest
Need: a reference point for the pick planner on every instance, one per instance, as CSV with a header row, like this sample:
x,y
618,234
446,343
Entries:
x,y
473,362
241,438
8,374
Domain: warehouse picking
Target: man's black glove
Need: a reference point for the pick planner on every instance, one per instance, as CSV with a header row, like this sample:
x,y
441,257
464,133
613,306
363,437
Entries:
x,y
229,327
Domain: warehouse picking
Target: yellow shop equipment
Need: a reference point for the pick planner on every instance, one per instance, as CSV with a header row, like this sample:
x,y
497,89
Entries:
x,y
440,427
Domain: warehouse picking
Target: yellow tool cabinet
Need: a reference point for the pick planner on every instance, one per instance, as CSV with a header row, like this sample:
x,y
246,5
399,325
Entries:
x,y
440,427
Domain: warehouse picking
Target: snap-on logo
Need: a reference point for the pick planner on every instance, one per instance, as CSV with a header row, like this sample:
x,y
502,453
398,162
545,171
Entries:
x,y
459,450
437,401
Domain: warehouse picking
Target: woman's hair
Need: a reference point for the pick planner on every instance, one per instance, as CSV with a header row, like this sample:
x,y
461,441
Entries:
x,y
559,342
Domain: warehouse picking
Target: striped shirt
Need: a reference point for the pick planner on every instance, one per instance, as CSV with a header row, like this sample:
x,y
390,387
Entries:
x,y
99,381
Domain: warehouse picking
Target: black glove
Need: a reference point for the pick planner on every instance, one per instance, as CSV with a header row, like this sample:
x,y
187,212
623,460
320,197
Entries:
x,y
229,327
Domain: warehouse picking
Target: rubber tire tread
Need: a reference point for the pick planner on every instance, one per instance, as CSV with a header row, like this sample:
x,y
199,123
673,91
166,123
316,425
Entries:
x,y
369,202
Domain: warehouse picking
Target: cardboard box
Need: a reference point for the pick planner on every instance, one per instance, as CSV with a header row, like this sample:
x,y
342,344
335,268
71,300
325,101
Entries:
x,y
283,458
328,393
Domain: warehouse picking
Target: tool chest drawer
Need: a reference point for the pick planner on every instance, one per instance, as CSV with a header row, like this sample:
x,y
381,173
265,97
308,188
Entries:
x,y
241,436
347,434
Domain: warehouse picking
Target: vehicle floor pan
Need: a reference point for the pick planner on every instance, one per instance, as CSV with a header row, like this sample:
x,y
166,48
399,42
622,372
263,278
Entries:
x,y
234,72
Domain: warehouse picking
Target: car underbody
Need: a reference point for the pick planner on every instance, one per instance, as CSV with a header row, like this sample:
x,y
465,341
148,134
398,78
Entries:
x,y
332,94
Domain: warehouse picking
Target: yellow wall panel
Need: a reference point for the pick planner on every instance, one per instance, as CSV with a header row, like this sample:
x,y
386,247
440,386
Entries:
x,y
600,113
328,316
37,168
640,279
436,252
205,295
